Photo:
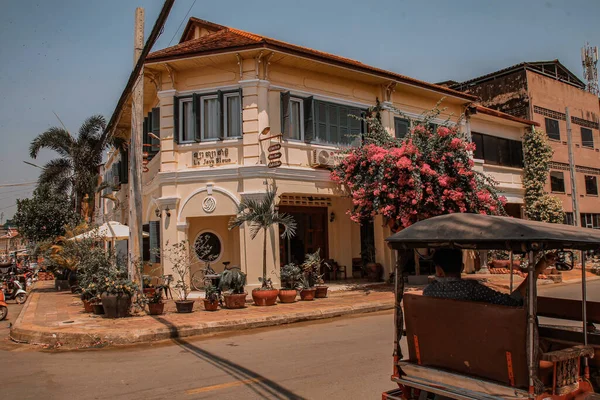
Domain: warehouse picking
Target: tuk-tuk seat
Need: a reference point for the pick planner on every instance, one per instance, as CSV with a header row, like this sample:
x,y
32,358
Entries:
x,y
477,339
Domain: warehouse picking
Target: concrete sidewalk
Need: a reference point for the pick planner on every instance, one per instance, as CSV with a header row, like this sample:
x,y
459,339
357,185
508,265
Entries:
x,y
57,319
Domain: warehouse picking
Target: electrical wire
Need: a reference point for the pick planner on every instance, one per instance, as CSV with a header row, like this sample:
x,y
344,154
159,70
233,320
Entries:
x,y
186,15
18,184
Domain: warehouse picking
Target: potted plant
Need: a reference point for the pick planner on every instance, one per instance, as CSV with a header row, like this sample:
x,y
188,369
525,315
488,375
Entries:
x,y
156,306
97,307
211,298
148,287
87,294
311,269
291,278
261,215
181,258
116,296
232,284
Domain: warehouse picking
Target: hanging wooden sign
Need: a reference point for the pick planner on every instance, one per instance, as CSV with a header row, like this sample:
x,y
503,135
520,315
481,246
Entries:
x,y
275,147
274,164
275,156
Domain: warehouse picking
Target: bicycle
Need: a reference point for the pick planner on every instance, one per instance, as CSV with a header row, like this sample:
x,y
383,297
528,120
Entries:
x,y
204,276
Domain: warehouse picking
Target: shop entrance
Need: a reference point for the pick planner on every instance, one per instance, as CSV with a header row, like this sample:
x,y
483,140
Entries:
x,y
311,234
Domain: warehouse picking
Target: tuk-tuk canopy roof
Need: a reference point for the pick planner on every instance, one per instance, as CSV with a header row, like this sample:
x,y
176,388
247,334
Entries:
x,y
486,232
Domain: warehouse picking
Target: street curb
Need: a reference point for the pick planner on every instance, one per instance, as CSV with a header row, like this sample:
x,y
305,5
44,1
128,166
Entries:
x,y
53,337
571,282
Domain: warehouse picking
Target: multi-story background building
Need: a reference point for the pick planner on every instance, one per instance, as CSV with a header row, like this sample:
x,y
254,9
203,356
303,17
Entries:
x,y
541,91
214,100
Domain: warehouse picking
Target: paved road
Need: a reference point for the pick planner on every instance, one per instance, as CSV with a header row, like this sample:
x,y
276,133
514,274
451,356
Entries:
x,y
572,291
343,358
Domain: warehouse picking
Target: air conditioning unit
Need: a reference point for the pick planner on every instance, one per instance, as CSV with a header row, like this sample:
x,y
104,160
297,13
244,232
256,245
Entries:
x,y
322,159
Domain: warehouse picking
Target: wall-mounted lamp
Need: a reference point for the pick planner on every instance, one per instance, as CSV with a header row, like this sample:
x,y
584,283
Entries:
x,y
168,212
332,217
157,212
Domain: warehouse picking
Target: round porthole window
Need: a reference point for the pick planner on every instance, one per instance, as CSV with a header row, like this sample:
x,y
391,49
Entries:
x,y
208,247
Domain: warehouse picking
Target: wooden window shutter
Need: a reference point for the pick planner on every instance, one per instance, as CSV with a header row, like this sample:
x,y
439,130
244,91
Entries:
x,y
155,130
115,181
154,231
309,119
150,120
124,167
241,112
196,104
145,244
145,134
285,114
176,119
220,115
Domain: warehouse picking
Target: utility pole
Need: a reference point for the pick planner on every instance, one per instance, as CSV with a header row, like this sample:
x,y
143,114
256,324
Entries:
x,y
574,197
135,156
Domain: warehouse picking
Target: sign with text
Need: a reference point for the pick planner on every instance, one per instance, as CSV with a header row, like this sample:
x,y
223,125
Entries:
x,y
211,157
275,156
275,147
274,164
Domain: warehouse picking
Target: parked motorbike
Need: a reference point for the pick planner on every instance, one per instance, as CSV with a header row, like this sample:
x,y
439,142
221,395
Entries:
x,y
3,306
14,291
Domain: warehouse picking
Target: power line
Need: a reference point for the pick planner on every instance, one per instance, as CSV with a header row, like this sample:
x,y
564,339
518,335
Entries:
x,y
4,208
184,18
15,194
18,184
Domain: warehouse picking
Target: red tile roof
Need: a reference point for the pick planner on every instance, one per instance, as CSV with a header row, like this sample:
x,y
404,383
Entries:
x,y
230,39
500,114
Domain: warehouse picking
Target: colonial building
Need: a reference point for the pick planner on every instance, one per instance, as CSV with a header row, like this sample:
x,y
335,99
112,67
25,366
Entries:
x,y
229,111
541,91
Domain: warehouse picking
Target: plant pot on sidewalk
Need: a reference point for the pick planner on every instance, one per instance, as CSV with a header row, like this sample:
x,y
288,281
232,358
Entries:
x,y
87,306
62,285
265,297
184,306
116,305
156,308
234,301
308,294
321,291
211,305
98,309
287,295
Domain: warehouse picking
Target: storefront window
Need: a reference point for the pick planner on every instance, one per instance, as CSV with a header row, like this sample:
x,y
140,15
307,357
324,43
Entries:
x,y
208,247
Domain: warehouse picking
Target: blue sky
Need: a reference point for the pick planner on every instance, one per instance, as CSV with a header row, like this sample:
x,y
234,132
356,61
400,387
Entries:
x,y
73,57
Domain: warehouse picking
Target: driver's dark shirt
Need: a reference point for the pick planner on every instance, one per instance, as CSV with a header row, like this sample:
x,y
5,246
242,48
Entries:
x,y
470,290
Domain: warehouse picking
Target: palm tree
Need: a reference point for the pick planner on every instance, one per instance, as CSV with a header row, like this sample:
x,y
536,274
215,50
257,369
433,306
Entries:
x,y
260,216
76,170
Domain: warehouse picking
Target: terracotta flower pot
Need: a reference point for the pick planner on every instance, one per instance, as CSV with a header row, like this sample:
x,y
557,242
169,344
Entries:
x,y
184,306
211,306
321,291
149,292
98,309
233,301
265,297
116,305
156,308
307,294
287,295
87,306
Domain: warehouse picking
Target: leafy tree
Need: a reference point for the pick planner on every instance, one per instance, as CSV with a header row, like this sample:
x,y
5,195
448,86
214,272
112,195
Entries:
x,y
539,206
75,171
44,215
260,216
427,173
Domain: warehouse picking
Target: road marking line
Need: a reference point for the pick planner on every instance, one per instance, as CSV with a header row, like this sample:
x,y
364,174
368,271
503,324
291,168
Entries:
x,y
223,386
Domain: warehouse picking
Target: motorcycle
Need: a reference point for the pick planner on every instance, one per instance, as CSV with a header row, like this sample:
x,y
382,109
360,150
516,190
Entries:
x,y
14,291
3,306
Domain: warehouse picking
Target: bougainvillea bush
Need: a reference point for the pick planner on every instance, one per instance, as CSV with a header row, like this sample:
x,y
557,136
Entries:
x,y
427,173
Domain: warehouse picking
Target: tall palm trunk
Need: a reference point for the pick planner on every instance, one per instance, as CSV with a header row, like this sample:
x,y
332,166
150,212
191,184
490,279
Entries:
x,y
264,280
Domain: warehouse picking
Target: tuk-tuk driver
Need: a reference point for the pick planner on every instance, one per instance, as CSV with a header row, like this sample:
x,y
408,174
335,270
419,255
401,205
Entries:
x,y
449,284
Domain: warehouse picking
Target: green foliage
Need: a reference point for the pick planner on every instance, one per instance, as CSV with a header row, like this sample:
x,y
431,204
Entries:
x,y
232,281
260,215
45,215
538,154
291,276
211,293
311,268
181,257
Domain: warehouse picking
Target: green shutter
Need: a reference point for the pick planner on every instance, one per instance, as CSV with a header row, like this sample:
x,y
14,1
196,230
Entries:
x,y
241,112
220,115
145,134
124,170
285,114
115,181
155,130
154,231
145,244
197,123
309,119
401,126
322,132
176,119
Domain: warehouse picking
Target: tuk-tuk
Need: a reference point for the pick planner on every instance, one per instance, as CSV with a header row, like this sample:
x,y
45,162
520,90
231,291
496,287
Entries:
x,y
469,350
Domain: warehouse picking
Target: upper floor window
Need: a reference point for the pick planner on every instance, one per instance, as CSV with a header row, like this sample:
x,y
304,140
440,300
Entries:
x,y
552,129
208,116
587,137
498,151
316,121
589,220
401,127
557,182
591,185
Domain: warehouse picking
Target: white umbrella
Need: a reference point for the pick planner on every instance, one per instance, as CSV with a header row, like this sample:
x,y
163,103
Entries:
x,y
108,231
